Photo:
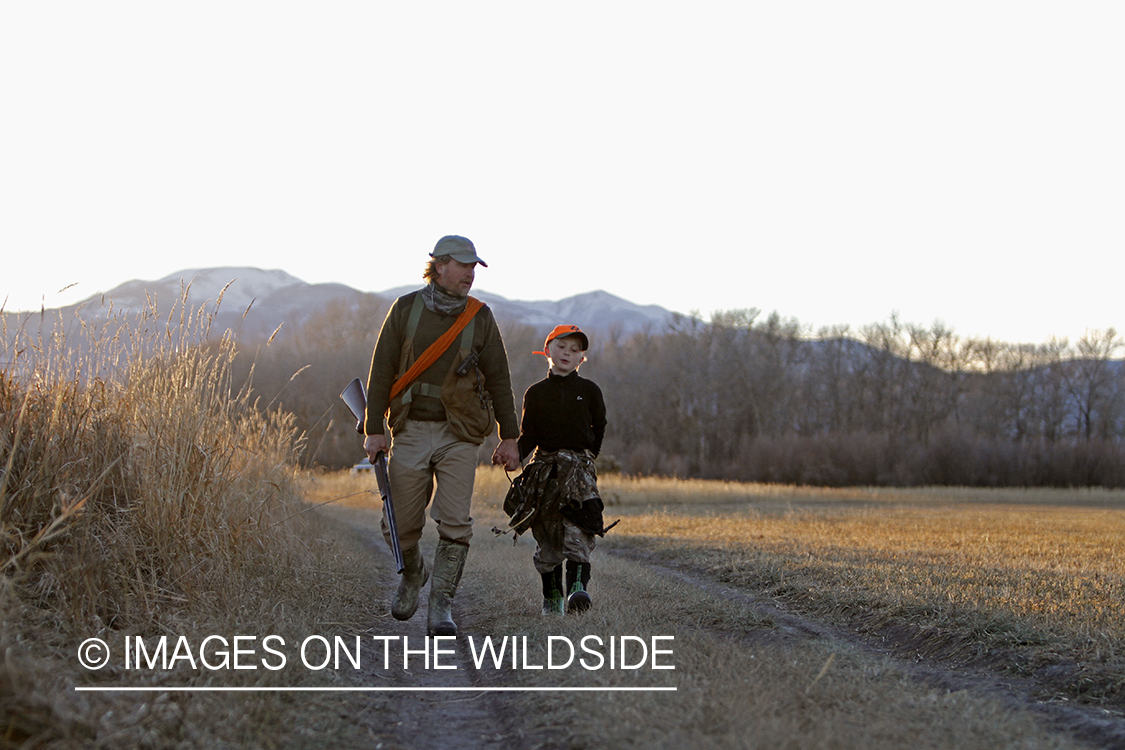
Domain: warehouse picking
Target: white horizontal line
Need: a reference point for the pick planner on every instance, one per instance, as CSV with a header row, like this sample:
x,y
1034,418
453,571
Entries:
x,y
370,689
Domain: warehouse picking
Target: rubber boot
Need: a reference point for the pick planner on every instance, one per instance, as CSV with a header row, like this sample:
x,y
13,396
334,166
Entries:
x,y
577,580
414,577
449,562
553,601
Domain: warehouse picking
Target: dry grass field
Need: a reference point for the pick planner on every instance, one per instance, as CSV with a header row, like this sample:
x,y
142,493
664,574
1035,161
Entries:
x,y
815,618
1032,580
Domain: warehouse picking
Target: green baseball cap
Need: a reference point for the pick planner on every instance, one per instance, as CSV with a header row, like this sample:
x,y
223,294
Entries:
x,y
457,247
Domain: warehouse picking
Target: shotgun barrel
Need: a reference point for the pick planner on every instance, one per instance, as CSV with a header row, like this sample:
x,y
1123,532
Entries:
x,y
354,396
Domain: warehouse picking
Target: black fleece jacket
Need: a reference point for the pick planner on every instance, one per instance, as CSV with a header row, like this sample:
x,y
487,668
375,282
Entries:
x,y
562,412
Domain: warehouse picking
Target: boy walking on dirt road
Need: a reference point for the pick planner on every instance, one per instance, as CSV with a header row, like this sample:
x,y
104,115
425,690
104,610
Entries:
x,y
563,423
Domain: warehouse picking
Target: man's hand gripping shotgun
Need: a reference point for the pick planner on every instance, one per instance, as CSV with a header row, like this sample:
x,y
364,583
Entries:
x,y
356,400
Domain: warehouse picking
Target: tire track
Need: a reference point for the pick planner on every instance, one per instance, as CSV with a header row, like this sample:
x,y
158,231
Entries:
x,y
1095,726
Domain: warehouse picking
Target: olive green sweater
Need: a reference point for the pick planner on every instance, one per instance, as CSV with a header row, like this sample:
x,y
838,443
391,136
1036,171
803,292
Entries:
x,y
385,365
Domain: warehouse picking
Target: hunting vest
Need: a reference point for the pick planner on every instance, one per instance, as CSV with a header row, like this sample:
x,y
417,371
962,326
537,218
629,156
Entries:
x,y
468,405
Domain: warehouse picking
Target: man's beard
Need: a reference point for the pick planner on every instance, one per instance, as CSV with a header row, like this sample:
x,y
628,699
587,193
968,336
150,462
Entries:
x,y
452,292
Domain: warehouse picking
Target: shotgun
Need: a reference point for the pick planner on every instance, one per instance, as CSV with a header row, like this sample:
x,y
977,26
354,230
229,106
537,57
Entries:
x,y
356,400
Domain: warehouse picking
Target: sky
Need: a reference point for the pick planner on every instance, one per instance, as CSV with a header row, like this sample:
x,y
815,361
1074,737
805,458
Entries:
x,y
960,162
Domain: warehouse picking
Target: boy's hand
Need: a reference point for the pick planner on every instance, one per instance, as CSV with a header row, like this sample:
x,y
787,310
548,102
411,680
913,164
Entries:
x,y
508,454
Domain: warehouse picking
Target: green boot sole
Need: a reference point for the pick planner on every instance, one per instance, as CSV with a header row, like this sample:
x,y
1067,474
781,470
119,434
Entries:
x,y
579,601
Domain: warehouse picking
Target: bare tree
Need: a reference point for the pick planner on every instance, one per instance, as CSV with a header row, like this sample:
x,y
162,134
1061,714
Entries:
x,y
1089,379
1049,392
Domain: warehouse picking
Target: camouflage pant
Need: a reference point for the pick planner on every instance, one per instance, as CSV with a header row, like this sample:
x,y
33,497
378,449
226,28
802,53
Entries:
x,y
557,499
576,546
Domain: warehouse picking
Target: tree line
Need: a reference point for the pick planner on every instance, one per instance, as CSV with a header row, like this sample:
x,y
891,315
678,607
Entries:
x,y
752,397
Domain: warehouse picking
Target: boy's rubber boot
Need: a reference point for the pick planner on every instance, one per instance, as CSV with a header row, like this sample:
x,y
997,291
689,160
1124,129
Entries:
x,y
414,577
553,601
449,562
577,579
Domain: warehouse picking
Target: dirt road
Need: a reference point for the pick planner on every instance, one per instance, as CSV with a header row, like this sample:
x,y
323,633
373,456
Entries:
x,y
498,577
434,704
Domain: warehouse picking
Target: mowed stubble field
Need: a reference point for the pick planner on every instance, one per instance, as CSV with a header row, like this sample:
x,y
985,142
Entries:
x,y
804,617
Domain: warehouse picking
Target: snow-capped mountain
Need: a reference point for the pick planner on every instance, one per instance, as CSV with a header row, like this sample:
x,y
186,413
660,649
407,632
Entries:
x,y
243,286
256,301
595,311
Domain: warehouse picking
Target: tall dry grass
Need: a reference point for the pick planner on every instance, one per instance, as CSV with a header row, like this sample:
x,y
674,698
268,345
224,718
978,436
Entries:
x,y
139,452
143,493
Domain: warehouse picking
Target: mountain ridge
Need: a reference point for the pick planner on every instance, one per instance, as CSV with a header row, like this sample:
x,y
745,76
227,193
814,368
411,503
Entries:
x,y
257,301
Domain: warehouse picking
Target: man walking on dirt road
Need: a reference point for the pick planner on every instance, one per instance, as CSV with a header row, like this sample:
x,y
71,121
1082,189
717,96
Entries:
x,y
439,377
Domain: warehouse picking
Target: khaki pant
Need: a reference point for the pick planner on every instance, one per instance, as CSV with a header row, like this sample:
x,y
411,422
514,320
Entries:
x,y
424,454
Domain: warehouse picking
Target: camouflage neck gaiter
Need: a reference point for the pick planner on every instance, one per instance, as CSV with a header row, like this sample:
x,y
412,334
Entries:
x,y
439,301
